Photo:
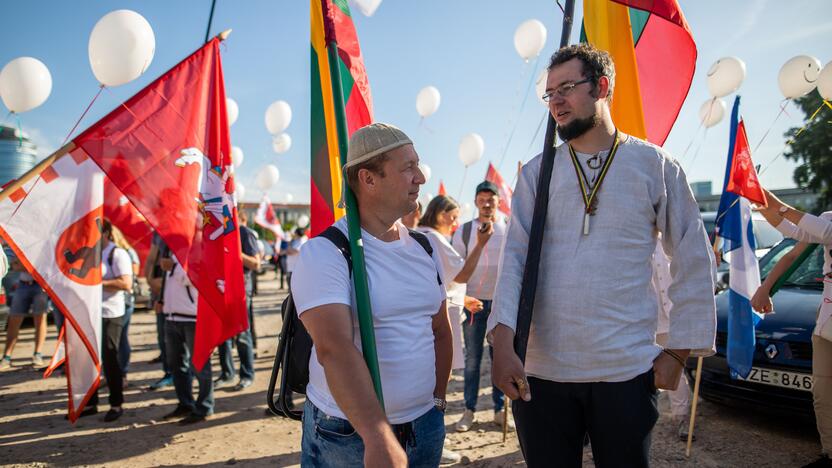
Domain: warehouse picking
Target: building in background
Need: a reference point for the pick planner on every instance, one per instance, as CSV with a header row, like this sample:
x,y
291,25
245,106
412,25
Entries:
x,y
287,213
802,199
701,189
17,154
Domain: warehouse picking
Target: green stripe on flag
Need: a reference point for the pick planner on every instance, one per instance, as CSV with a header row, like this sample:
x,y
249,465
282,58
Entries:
x,y
638,21
347,80
583,33
343,6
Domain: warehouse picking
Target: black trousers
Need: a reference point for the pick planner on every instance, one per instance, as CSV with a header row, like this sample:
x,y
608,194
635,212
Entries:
x,y
110,338
618,416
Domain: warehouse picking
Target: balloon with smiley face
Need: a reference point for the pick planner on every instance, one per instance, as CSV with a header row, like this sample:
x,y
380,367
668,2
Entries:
x,y
798,76
825,82
725,76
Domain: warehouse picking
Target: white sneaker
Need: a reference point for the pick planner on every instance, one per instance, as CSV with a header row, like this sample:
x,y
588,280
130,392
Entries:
x,y
466,421
37,360
498,420
449,457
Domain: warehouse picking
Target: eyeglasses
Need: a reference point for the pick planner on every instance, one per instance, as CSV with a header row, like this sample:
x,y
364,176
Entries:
x,y
564,89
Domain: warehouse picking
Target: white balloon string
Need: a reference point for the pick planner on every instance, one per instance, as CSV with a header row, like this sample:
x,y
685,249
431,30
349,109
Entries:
x,y
19,131
692,140
511,114
462,186
799,132
698,148
537,132
89,106
783,104
519,113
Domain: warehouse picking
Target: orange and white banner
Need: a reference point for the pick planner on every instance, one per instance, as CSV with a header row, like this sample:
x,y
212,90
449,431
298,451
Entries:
x,y
53,224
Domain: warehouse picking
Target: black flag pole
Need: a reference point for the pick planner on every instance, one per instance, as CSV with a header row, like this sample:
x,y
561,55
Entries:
x,y
528,289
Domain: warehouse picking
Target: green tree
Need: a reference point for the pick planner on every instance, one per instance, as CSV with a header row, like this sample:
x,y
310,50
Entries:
x,y
812,149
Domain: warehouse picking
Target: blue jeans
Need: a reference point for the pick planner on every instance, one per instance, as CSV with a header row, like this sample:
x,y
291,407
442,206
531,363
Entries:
x,y
160,339
332,442
179,340
245,350
473,332
124,348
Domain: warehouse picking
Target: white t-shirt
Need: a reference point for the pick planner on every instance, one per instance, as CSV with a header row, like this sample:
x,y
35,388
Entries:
x,y
482,283
180,297
405,295
292,258
112,301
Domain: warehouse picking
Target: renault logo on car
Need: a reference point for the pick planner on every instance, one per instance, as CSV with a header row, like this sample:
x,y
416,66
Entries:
x,y
771,351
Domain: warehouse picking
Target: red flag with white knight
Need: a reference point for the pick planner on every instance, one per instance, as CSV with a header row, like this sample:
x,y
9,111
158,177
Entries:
x,y
266,218
743,177
492,175
168,150
53,225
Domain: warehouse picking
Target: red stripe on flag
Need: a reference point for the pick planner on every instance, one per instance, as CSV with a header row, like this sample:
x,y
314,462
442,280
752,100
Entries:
x,y
49,174
18,195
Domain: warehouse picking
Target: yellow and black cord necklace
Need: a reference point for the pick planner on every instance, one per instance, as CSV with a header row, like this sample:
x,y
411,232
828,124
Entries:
x,y
589,193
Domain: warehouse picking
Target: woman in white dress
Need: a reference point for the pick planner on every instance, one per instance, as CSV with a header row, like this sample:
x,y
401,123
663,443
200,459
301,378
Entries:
x,y
438,222
807,229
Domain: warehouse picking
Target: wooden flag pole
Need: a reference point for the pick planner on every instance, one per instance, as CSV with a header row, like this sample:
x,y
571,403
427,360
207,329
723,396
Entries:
x,y
693,404
505,421
35,171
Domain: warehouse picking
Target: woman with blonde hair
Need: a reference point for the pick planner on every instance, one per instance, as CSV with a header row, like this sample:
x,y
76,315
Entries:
x,y
124,348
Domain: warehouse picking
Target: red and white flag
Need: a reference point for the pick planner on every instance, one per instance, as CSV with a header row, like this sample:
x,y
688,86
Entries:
x,y
266,218
53,224
168,150
505,191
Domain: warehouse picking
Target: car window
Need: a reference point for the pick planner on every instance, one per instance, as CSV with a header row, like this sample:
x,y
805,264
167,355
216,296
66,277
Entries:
x,y
765,234
810,273
776,253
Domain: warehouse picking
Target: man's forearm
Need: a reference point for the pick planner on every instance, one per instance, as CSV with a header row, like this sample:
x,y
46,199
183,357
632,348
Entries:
x,y
117,284
252,262
470,264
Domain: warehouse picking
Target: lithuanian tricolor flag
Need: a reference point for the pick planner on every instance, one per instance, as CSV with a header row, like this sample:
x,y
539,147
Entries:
x,y
331,21
655,57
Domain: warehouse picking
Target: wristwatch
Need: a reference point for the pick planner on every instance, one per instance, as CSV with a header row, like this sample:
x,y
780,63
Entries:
x,y
782,210
440,404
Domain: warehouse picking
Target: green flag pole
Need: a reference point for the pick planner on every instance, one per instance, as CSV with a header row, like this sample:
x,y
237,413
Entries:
x,y
794,266
359,271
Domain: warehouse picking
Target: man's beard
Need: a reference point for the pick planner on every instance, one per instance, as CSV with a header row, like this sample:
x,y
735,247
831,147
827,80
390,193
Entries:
x,y
577,127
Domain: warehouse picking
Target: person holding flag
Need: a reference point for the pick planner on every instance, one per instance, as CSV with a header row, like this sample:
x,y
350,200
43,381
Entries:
x,y
592,364
343,422
807,228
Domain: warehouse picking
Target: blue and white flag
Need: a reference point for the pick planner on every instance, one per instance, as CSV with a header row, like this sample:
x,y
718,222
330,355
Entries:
x,y
734,226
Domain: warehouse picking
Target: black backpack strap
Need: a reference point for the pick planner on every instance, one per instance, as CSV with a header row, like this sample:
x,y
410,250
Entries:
x,y
342,243
466,235
425,243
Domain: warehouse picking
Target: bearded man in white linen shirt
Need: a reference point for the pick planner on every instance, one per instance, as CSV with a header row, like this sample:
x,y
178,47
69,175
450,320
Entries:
x,y
343,422
592,362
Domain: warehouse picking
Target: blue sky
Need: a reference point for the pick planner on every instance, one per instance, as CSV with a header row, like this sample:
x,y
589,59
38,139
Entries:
x,y
463,47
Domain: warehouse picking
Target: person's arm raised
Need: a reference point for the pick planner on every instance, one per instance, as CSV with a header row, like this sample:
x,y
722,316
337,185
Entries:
x,y
474,255
348,378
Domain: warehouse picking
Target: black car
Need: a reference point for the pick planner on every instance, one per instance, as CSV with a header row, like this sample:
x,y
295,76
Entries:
x,y
781,378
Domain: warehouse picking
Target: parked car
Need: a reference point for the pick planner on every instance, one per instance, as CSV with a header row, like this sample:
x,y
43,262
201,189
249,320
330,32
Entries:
x,y
764,233
781,377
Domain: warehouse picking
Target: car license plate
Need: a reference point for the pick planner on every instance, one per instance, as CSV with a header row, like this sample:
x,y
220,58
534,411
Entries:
x,y
779,378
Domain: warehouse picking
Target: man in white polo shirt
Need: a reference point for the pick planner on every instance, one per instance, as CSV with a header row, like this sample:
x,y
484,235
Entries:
x,y
343,422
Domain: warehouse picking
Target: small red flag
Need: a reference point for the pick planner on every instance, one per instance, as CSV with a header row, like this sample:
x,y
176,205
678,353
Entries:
x,y
442,190
743,177
168,150
505,191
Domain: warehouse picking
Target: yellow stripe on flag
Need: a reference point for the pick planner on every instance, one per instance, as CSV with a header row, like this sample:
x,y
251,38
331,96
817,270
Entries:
x,y
607,26
319,44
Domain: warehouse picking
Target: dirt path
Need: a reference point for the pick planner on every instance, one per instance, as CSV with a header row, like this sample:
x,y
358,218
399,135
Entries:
x,y
34,433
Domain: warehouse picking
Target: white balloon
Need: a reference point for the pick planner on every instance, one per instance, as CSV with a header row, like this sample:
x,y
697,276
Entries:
x,y
467,211
798,76
712,112
121,47
25,83
540,87
825,82
267,177
303,221
278,117
367,7
288,197
236,156
425,171
232,110
725,76
529,38
239,191
471,148
281,143
427,101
